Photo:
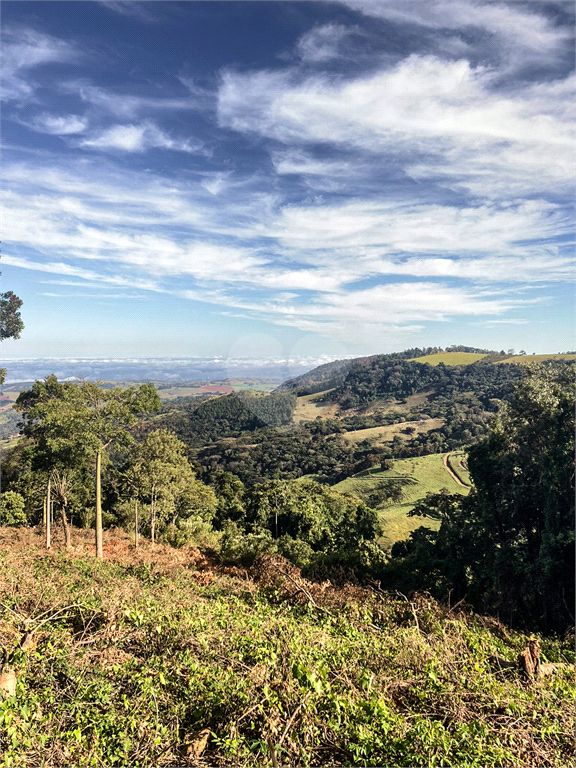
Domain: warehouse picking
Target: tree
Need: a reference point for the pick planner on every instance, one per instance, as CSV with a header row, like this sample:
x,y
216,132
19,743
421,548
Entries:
x,y
11,323
159,475
304,510
75,424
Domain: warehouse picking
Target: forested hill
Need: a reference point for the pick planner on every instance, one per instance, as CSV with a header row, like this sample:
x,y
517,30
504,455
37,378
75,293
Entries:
x,y
383,379
229,416
334,374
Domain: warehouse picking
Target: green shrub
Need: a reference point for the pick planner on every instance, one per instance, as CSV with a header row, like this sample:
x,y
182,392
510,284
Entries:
x,y
12,509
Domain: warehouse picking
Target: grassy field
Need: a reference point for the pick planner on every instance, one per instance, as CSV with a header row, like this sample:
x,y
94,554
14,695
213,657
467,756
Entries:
x,y
449,358
163,657
427,474
308,408
382,435
526,359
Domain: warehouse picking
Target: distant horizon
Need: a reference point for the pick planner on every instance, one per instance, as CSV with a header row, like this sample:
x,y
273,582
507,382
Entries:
x,y
170,369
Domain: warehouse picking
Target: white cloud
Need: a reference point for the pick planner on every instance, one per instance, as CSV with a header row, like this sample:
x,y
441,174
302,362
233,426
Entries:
x,y
418,228
321,43
133,9
297,265
24,49
58,125
138,138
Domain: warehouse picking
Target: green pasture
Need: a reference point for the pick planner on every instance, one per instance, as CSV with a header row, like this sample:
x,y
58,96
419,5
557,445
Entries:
x,y
427,474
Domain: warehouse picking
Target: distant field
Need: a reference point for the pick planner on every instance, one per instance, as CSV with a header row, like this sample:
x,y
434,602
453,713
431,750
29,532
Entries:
x,y
449,358
308,409
386,434
429,475
215,388
536,358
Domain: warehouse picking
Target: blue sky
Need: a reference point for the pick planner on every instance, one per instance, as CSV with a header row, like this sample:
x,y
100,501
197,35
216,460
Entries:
x,y
272,179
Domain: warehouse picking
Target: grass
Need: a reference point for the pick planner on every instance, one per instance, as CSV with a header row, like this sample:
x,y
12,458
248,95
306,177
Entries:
x,y
308,408
386,434
465,358
427,474
527,359
449,358
162,657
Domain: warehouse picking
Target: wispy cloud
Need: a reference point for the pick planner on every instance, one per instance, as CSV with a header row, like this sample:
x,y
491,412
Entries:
x,y
514,34
23,50
440,118
135,10
129,106
138,138
321,43
58,125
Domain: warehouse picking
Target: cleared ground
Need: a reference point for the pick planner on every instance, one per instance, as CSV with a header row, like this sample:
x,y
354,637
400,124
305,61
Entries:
x,y
386,434
426,474
449,358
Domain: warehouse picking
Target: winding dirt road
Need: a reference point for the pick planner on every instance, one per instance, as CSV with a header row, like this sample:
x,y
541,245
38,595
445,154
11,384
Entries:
x,y
449,469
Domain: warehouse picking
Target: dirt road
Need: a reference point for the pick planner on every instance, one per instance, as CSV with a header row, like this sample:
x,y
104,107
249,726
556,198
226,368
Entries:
x,y
450,470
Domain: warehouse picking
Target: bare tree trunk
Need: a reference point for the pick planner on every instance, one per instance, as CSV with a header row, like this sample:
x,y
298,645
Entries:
x,y
99,551
136,525
44,512
66,526
48,510
153,517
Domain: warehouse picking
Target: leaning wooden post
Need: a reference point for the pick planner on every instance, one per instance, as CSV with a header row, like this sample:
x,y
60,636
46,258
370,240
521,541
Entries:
x,y
48,506
99,551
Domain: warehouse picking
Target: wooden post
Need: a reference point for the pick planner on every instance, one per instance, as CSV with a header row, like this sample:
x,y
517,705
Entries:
x,y
98,524
48,512
136,524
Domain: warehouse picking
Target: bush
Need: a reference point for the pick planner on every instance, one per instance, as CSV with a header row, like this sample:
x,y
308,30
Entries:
x,y
237,546
12,509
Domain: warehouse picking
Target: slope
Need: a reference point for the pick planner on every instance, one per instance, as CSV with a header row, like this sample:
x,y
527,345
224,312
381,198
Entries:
x,y
163,657
421,475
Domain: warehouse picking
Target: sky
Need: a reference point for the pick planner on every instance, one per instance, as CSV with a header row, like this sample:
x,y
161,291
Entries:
x,y
287,179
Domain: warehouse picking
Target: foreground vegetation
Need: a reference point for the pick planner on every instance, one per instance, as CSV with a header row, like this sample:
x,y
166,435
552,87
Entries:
x,y
160,656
